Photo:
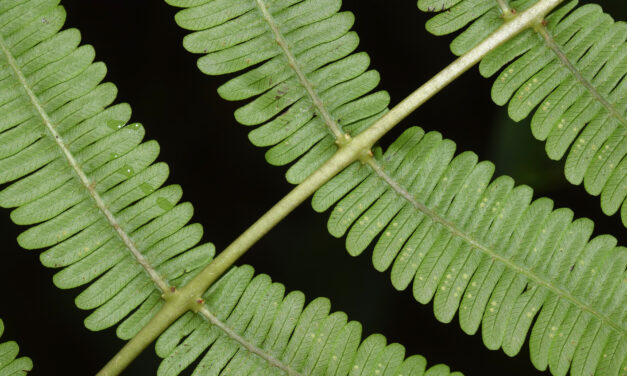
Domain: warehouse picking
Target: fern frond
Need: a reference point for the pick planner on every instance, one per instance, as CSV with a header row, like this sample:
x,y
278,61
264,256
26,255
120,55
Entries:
x,y
270,333
571,71
487,251
90,189
10,364
308,87
83,178
472,246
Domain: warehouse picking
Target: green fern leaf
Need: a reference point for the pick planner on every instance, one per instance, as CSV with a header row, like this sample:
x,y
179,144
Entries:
x,y
572,72
10,364
82,177
94,196
270,333
462,240
485,250
308,87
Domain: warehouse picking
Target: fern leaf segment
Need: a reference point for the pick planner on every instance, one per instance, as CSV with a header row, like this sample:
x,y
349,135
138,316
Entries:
x,y
563,58
487,251
89,187
79,172
251,348
10,364
573,75
83,178
253,327
311,92
317,102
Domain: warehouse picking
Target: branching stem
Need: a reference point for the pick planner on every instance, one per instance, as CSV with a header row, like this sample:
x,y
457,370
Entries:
x,y
349,151
520,22
180,301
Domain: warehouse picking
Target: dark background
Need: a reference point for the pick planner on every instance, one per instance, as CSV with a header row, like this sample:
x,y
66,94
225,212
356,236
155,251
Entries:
x,y
231,185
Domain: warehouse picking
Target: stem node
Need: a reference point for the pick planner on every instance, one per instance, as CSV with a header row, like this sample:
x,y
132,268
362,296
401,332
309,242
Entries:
x,y
343,140
365,155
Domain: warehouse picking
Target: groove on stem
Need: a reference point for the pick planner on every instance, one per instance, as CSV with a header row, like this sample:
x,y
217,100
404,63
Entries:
x,y
293,63
161,283
452,228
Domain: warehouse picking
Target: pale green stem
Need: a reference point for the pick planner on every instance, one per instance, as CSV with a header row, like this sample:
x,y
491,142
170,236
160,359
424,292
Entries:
x,y
519,23
340,160
175,306
349,151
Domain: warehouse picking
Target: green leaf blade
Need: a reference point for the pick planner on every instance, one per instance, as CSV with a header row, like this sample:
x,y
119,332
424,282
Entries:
x,y
296,58
10,364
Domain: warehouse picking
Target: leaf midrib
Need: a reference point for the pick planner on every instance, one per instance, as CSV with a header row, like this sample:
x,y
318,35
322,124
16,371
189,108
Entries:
x,y
561,56
250,347
565,61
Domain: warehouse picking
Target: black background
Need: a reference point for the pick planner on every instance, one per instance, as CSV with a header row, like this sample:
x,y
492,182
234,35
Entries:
x,y
231,185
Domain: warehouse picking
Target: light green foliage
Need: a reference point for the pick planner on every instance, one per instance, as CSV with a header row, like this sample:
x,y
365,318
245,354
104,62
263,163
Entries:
x,y
486,251
235,36
577,88
10,364
94,196
82,178
46,192
476,247
309,339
